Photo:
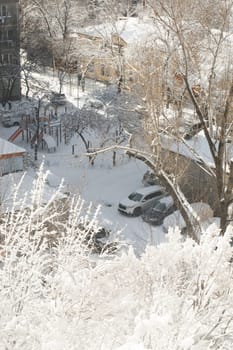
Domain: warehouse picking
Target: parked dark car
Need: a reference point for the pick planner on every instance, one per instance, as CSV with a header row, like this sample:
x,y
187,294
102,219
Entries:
x,y
149,179
58,99
161,208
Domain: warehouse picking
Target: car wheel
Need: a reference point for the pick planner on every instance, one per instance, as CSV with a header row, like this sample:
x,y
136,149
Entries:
x,y
16,124
137,211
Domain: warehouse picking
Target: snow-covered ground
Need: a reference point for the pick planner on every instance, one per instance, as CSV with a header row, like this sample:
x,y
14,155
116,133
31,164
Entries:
x,y
106,185
177,295
102,184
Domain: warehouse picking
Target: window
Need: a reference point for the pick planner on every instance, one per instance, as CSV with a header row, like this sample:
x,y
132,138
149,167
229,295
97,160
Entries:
x,y
135,197
6,58
107,71
14,60
149,196
102,70
91,67
10,34
158,193
6,35
159,207
3,10
152,195
131,76
117,70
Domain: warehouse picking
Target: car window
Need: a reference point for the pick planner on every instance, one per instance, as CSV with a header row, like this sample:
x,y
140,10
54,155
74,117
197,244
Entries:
x,y
135,196
153,195
158,193
160,207
149,196
171,209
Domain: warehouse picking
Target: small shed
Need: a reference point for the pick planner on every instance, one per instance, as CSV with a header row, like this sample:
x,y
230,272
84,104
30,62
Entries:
x,y
11,157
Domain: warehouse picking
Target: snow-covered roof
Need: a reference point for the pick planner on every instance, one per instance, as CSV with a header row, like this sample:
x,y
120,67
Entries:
x,y
7,148
130,29
196,148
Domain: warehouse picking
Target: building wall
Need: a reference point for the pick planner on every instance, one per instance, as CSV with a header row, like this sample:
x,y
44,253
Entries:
x,y
101,60
108,70
194,179
11,165
10,88
101,69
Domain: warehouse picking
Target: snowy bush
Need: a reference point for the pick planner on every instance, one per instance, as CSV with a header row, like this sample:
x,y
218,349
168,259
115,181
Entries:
x,y
56,294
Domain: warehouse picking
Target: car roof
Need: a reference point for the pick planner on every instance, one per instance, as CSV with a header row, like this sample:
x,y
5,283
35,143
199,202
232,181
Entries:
x,y
168,200
149,189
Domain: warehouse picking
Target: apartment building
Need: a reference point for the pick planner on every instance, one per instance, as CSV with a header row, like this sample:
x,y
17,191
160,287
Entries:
x,y
10,88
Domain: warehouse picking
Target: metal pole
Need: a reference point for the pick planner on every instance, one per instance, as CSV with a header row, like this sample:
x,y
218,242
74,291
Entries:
x,y
78,91
37,110
36,148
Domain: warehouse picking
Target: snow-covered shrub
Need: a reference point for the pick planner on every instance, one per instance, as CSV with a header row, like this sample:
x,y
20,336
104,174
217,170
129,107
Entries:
x,y
55,295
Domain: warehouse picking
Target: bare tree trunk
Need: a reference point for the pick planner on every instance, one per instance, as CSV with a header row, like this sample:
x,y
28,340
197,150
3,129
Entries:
x,y
174,190
114,158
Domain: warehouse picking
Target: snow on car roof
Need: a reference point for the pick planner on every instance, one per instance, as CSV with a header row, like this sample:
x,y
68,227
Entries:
x,y
149,189
167,200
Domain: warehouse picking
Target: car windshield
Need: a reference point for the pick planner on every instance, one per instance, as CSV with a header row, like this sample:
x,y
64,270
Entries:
x,y
135,197
159,207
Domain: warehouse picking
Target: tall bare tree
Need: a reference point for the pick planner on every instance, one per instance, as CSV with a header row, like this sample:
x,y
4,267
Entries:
x,y
191,59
